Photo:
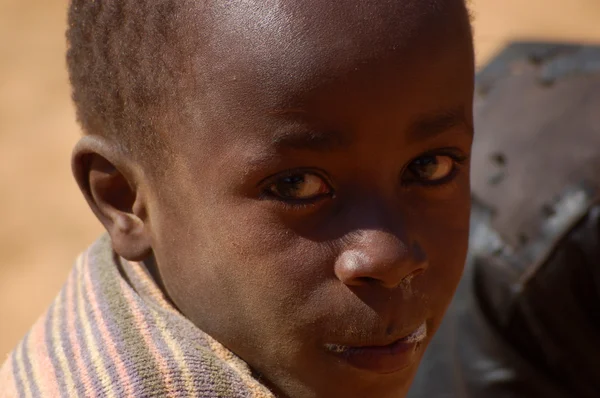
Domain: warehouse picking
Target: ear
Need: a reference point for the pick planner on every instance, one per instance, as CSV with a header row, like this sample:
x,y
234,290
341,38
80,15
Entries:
x,y
110,182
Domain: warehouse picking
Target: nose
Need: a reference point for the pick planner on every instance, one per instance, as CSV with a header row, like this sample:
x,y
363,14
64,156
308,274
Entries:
x,y
379,257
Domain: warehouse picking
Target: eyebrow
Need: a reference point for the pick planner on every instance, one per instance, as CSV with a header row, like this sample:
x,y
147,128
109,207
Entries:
x,y
328,141
429,126
425,127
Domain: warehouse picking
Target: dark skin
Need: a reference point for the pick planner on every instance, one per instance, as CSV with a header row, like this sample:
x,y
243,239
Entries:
x,y
319,193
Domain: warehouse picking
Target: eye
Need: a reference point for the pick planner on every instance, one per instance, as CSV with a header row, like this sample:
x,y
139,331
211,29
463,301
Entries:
x,y
432,168
299,186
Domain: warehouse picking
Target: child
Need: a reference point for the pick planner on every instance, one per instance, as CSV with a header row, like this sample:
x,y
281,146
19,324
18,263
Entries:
x,y
285,187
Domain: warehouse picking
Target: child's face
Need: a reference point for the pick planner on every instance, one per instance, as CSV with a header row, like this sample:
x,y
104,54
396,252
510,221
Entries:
x,y
320,200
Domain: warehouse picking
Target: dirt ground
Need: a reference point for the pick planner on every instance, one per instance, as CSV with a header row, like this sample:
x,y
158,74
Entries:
x,y
44,221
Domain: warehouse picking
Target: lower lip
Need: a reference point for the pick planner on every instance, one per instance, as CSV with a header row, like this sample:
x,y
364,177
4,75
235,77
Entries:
x,y
383,359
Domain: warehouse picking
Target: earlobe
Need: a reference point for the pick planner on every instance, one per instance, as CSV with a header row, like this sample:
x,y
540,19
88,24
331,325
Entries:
x,y
110,181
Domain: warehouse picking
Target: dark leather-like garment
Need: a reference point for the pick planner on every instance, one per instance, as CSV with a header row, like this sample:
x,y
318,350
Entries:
x,y
525,321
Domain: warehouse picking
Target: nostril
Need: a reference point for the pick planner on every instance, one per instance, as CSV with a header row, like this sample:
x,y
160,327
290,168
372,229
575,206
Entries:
x,y
367,280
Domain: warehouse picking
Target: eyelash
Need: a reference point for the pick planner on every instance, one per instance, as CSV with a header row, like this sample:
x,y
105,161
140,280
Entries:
x,y
300,204
458,159
297,203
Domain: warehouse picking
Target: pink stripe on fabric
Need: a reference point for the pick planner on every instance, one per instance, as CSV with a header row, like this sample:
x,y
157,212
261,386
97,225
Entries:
x,y
7,379
71,330
143,328
43,368
107,340
150,286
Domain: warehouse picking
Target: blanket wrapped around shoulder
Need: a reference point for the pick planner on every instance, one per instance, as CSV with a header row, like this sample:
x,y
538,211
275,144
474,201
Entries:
x,y
112,333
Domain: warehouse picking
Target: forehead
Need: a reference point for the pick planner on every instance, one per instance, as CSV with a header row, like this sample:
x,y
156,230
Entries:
x,y
283,46
347,65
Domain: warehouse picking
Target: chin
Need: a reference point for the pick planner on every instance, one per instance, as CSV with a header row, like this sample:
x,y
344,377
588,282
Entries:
x,y
334,377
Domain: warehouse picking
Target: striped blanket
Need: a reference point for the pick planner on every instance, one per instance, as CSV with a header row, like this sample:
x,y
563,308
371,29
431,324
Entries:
x,y
111,333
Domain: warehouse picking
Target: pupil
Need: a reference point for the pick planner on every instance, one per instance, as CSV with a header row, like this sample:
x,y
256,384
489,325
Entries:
x,y
293,180
426,166
427,161
289,186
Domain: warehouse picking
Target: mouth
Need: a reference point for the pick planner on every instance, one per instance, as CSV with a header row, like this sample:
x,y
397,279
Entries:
x,y
384,358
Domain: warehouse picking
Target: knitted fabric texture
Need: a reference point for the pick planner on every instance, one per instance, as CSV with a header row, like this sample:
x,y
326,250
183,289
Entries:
x,y
112,333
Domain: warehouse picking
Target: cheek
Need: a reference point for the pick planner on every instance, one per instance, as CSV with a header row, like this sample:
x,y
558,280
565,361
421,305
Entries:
x,y
278,257
446,247
441,219
441,228
243,250
445,231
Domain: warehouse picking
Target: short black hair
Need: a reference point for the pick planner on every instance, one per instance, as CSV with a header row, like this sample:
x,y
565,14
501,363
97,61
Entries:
x,y
127,60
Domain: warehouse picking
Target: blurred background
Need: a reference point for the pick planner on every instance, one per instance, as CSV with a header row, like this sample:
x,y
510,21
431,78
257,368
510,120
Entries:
x,y
44,221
